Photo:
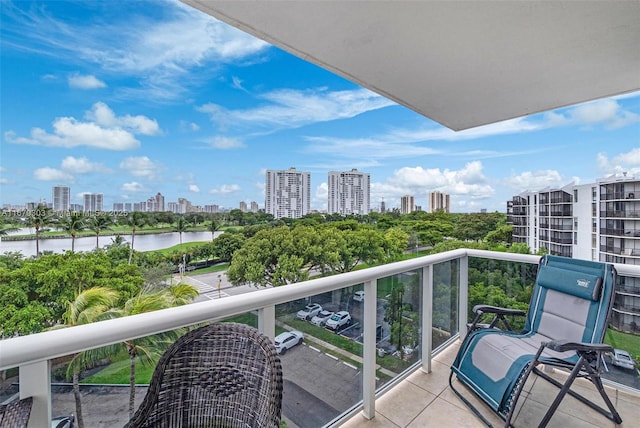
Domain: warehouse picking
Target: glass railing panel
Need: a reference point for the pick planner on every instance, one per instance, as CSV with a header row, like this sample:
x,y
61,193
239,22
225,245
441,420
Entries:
x,y
398,321
323,371
446,295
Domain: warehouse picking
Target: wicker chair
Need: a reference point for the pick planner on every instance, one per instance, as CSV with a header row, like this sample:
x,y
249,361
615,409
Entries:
x,y
16,414
220,375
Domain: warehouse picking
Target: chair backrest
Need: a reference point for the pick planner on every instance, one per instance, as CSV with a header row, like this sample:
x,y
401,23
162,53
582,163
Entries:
x,y
571,299
16,414
223,374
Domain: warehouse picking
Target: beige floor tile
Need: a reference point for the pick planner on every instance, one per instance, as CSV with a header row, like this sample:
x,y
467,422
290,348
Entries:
x,y
444,414
403,403
628,407
532,412
449,396
434,382
359,421
448,355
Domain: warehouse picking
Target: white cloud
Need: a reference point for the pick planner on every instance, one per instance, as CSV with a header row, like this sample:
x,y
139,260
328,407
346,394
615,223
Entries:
x,y
104,130
624,162
4,181
237,83
224,189
226,143
132,187
101,114
141,166
85,82
290,108
194,188
535,180
189,126
607,112
81,165
52,174
159,50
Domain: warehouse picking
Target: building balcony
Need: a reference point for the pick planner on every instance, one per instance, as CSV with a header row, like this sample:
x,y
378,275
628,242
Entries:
x,y
333,379
630,214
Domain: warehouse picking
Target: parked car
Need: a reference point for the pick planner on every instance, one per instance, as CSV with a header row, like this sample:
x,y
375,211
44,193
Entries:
x,y
321,318
358,296
309,311
338,320
287,340
622,359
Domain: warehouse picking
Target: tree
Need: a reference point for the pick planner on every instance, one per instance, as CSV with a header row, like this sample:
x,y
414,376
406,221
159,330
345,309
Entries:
x,y
98,223
212,227
39,218
225,245
72,223
135,220
180,227
88,306
4,230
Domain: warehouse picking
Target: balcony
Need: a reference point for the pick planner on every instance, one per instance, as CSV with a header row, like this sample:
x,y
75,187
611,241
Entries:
x,y
351,384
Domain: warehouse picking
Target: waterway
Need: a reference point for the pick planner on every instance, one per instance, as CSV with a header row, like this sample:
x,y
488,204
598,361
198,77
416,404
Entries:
x,y
150,242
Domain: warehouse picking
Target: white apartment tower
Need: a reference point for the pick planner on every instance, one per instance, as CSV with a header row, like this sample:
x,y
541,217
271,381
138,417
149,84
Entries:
x,y
92,202
407,204
349,192
287,193
439,202
61,196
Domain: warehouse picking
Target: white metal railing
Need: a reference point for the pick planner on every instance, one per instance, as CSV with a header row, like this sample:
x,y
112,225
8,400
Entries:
x,y
33,354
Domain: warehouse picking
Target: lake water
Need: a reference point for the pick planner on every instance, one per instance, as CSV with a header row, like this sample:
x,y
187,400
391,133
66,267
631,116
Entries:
x,y
142,243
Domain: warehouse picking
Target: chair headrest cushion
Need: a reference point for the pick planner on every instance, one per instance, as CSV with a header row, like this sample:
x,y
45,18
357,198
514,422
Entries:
x,y
572,282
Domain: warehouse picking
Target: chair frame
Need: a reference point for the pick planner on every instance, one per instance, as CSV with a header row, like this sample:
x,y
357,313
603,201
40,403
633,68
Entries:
x,y
221,388
588,366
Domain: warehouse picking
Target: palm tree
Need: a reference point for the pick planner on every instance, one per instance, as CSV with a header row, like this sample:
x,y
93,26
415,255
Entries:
x,y
135,220
39,218
4,230
89,305
181,226
72,224
98,223
148,349
212,227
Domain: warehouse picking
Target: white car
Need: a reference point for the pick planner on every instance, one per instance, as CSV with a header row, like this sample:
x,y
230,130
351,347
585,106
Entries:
x,y
309,311
358,296
622,359
287,340
321,318
338,320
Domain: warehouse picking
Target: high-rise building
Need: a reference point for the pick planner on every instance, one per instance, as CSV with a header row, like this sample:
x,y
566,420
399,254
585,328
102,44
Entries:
x,y
596,221
207,208
407,204
92,202
287,193
159,202
349,192
243,206
61,196
254,207
439,202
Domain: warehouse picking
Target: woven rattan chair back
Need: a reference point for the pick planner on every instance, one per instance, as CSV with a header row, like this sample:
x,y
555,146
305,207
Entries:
x,y
219,375
16,414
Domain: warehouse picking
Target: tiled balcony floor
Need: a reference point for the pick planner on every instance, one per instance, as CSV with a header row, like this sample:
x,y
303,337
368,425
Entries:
x,y
426,400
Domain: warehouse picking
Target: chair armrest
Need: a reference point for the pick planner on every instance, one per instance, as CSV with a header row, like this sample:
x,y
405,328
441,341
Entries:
x,y
487,309
563,346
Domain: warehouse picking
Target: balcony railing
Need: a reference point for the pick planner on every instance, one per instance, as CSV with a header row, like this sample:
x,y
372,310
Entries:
x,y
435,285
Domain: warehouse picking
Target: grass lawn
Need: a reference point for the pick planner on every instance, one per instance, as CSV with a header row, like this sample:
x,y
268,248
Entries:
x,y
625,341
216,268
118,373
177,248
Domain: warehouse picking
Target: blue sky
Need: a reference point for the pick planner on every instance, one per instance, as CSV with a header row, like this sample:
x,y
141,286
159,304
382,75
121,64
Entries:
x,y
130,98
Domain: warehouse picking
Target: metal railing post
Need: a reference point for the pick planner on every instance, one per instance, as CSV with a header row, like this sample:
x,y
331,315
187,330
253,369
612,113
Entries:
x,y
427,317
267,321
463,303
35,381
369,350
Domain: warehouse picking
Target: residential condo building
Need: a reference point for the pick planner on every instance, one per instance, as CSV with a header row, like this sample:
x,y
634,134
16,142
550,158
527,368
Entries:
x,y
597,221
349,192
92,202
287,193
439,202
61,196
407,204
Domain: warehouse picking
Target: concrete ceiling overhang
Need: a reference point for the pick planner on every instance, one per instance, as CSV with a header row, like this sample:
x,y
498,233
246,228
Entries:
x,y
459,63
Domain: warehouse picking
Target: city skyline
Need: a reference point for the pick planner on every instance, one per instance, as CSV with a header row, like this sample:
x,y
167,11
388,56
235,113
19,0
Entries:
x,y
105,98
